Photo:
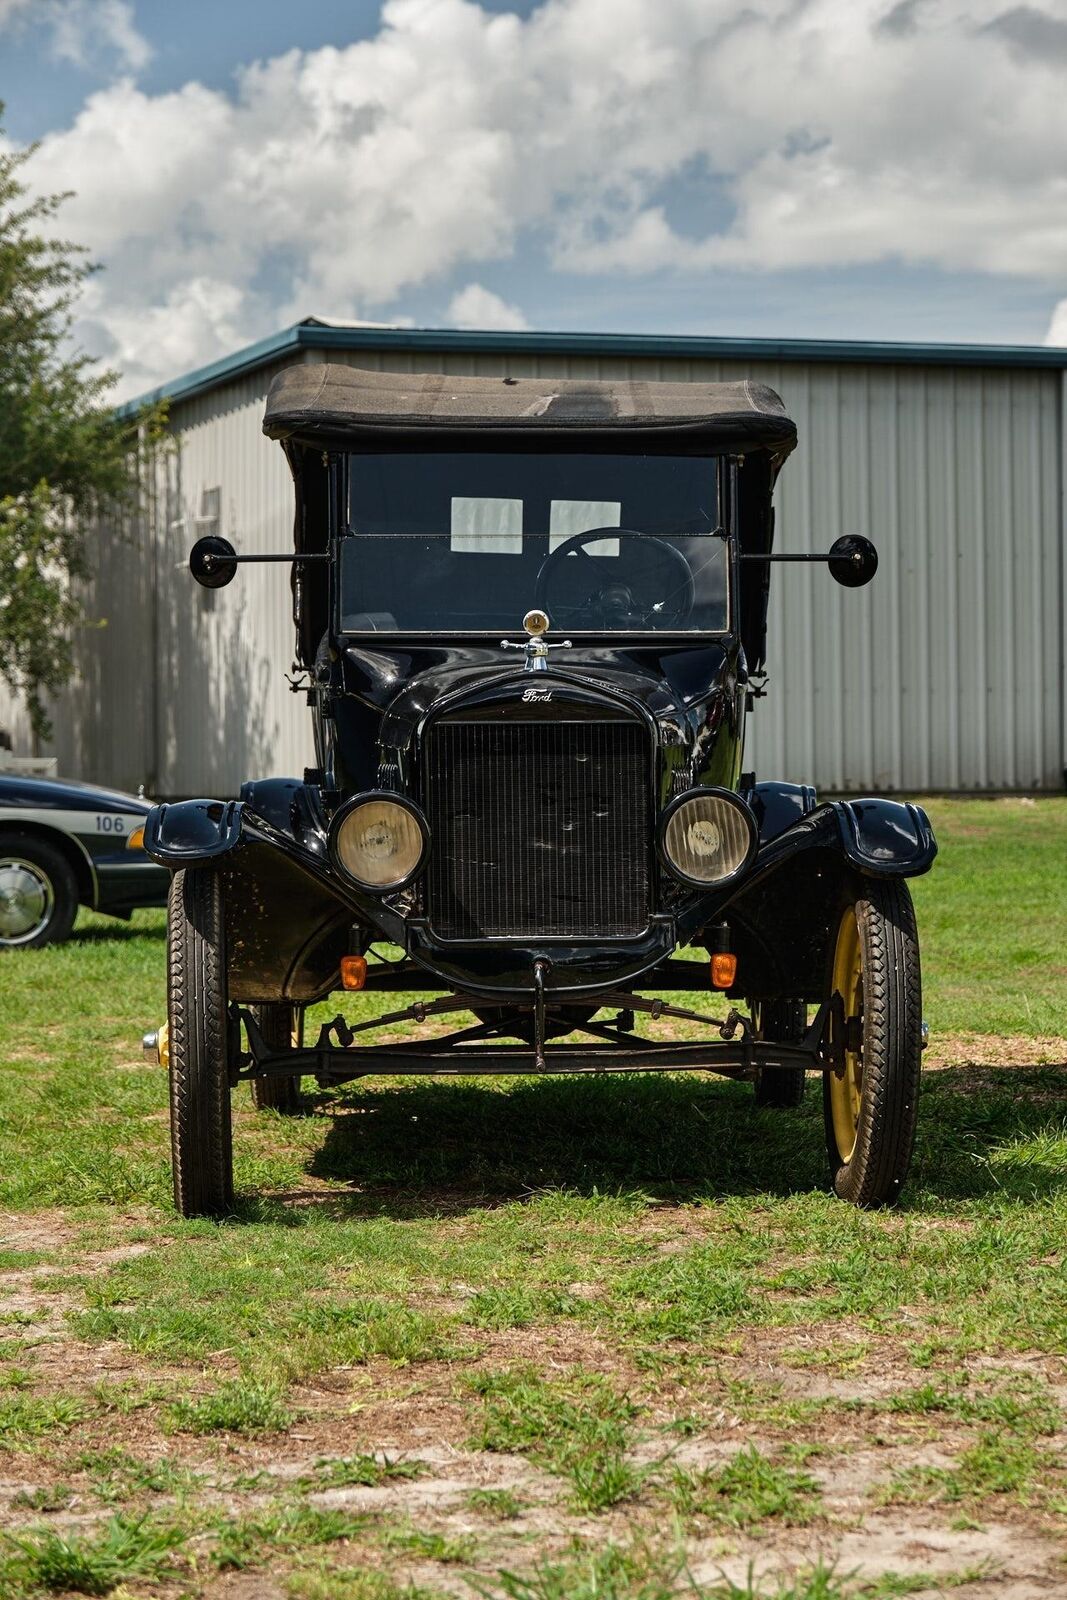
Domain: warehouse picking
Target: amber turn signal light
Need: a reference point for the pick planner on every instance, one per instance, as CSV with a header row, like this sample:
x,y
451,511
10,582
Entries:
x,y
723,970
353,972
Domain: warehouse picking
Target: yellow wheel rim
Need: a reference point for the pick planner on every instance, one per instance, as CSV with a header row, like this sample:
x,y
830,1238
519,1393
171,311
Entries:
x,y
846,1088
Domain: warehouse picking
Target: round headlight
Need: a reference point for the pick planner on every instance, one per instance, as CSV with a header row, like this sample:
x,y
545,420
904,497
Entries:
x,y
380,840
708,836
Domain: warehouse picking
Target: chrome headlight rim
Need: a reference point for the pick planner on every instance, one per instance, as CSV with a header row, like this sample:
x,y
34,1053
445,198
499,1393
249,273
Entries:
x,y
390,797
715,792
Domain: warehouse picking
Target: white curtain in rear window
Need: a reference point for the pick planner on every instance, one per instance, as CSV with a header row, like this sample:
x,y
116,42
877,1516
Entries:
x,y
486,527
568,517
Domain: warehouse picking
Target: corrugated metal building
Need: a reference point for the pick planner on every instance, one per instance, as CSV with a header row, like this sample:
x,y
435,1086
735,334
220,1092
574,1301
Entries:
x,y
947,673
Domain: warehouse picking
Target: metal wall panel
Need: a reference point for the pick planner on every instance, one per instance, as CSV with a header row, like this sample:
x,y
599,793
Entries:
x,y
224,708
102,720
946,673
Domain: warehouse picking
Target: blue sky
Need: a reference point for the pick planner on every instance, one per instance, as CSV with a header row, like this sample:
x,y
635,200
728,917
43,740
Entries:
x,y
885,169
206,40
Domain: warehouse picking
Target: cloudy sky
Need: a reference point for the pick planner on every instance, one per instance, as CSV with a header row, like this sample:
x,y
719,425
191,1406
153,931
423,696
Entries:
x,y
883,169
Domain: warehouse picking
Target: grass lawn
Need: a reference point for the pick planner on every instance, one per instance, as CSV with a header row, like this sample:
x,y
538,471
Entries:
x,y
561,1339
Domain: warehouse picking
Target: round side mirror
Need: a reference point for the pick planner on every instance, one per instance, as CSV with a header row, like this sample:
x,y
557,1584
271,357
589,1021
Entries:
x,y
853,560
211,562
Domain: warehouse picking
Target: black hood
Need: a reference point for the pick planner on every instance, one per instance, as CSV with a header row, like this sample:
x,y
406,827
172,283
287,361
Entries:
x,y
667,684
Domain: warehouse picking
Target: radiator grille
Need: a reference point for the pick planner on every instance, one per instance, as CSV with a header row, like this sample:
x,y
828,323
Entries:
x,y
539,828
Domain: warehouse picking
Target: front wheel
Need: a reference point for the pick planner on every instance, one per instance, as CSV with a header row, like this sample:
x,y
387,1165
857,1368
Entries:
x,y
870,1098
281,1025
785,1022
200,1042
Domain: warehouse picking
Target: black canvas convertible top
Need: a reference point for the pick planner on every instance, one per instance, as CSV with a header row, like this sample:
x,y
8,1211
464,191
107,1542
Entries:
x,y
328,402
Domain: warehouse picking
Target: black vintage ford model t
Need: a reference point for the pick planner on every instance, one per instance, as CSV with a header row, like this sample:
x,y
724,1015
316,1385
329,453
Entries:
x,y
530,616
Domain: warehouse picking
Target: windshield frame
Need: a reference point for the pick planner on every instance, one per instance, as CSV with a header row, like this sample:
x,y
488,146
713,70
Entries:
x,y
718,464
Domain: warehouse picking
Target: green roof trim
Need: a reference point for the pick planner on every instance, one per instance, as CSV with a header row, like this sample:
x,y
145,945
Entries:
x,y
315,335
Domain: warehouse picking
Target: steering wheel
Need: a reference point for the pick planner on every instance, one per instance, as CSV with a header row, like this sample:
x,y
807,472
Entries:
x,y
616,601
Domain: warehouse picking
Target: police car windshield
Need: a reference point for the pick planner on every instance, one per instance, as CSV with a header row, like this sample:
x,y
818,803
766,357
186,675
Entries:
x,y
445,542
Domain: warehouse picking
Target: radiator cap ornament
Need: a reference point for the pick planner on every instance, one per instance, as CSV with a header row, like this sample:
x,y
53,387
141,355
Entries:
x,y
536,625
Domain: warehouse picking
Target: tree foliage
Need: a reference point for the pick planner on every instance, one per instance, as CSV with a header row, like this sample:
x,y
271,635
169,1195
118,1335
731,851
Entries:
x,y
64,456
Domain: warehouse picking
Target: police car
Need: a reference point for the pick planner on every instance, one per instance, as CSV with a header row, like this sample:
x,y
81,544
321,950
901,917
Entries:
x,y
63,845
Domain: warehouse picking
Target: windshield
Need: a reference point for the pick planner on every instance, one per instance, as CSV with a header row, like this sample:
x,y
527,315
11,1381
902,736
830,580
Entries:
x,y
469,542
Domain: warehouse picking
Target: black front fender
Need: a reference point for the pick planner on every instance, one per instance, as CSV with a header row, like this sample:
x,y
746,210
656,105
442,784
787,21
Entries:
x,y
873,837
289,912
888,838
883,838
192,831
783,914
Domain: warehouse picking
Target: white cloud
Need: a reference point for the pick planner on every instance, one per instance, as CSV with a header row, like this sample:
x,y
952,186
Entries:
x,y
477,307
829,132
81,25
199,321
1057,328
80,28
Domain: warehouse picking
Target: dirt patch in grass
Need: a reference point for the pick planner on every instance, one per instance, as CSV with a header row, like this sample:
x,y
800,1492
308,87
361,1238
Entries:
x,y
994,1050
32,1304
849,1443
970,1563
823,1361
447,1506
54,1234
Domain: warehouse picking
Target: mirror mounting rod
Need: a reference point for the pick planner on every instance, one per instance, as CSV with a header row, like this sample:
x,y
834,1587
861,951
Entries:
x,y
213,561
852,559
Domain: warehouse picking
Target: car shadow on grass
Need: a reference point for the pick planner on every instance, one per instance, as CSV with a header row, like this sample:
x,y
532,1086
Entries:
x,y
426,1147
996,1130
419,1147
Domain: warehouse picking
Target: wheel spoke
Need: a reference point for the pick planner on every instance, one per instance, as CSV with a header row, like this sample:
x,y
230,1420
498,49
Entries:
x,y
846,1089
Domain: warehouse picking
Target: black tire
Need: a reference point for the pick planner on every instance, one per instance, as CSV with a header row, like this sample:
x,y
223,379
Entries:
x,y
38,893
784,1021
277,1024
200,1132
877,1095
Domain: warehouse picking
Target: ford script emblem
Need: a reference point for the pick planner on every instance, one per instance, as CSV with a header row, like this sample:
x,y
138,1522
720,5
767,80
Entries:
x,y
536,694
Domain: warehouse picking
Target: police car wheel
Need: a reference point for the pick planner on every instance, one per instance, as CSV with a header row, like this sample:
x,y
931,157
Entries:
x,y
200,1044
280,1025
38,892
